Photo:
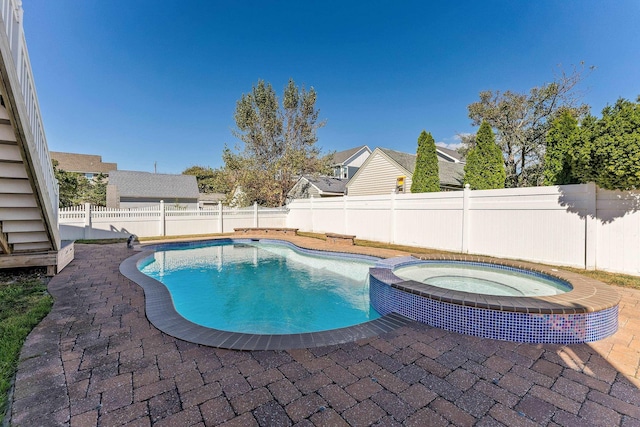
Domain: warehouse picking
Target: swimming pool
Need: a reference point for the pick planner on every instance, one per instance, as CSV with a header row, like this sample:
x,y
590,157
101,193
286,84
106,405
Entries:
x,y
263,288
163,314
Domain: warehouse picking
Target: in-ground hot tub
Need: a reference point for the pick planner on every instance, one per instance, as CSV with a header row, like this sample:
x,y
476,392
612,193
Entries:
x,y
570,309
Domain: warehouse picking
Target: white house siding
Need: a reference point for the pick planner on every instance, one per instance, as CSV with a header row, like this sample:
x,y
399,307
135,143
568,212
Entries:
x,y
360,158
378,176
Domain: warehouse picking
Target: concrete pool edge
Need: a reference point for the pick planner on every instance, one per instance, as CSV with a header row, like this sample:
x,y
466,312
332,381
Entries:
x,y
588,312
162,314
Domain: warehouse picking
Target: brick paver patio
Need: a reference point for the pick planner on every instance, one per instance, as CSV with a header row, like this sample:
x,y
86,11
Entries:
x,y
96,360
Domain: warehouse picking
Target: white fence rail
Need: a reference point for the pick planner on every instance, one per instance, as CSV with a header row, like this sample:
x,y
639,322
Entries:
x,y
572,225
92,222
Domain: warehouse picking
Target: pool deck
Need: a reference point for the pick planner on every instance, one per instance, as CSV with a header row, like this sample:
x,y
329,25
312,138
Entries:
x,y
96,360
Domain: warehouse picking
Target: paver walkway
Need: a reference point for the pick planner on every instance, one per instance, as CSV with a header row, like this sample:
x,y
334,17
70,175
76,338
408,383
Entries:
x,y
96,360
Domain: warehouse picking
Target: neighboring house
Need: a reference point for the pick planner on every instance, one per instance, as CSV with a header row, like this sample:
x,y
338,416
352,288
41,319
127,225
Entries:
x,y
129,189
386,171
320,186
449,155
209,200
346,163
88,165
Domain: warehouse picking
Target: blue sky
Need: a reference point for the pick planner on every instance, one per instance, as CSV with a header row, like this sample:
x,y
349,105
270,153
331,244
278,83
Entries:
x,y
144,81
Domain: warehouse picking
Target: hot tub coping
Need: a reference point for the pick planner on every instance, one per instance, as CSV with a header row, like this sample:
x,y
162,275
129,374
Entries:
x,y
587,296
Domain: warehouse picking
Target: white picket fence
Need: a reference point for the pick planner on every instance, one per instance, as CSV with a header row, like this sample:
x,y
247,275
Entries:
x,y
573,225
93,222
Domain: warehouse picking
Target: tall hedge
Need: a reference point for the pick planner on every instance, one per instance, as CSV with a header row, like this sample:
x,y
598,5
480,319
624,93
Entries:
x,y
607,150
561,139
485,166
426,177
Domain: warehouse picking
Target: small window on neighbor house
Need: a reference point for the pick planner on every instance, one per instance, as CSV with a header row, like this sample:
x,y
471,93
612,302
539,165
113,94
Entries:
x,y
88,175
344,175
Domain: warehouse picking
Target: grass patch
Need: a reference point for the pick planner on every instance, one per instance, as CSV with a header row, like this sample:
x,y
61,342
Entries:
x,y
614,279
24,302
403,248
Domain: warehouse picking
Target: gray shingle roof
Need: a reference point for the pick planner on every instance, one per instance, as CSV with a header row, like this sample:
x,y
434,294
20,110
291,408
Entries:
x,y
327,184
342,156
156,185
406,160
451,174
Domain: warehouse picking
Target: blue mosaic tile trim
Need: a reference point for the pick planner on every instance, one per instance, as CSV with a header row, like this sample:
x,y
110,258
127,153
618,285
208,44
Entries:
x,y
501,325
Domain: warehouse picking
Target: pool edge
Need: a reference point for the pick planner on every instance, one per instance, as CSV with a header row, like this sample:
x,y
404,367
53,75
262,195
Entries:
x,y
161,312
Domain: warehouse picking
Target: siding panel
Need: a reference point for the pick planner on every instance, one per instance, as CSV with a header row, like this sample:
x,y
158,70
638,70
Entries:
x,y
377,177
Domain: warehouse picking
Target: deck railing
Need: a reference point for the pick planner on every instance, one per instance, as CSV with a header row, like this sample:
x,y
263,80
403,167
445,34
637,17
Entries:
x,y
36,141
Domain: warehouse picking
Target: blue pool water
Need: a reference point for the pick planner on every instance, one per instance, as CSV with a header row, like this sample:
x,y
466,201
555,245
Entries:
x,y
263,288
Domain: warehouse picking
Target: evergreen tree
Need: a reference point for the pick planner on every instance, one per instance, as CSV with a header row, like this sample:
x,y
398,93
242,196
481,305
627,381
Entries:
x,y
426,177
557,158
485,166
607,150
75,189
96,192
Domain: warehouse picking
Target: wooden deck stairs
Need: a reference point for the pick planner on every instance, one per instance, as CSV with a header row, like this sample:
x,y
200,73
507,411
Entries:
x,y
29,234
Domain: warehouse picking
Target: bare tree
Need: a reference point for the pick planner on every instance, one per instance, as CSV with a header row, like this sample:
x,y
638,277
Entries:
x,y
522,120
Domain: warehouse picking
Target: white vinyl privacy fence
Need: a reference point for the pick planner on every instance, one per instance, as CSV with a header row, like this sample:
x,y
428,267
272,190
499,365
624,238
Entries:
x,y
573,225
92,222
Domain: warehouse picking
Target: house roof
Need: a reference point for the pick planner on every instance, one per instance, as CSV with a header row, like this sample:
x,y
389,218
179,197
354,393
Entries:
x,y
451,174
83,163
406,160
341,157
154,185
453,154
327,184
